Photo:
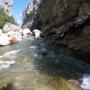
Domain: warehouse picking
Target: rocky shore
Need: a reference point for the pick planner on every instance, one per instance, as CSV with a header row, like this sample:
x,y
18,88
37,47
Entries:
x,y
12,33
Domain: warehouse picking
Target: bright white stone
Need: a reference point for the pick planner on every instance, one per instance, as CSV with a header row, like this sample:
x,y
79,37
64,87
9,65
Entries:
x,y
26,32
4,40
37,33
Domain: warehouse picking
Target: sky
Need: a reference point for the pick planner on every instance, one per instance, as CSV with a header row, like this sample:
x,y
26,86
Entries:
x,y
18,7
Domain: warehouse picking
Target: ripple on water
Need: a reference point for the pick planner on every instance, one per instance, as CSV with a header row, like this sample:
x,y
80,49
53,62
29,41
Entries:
x,y
31,67
6,64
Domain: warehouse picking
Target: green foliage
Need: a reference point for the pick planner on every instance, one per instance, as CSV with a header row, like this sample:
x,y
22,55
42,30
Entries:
x,y
5,18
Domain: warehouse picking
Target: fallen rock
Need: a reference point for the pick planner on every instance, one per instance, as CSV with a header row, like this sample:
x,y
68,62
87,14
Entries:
x,y
37,33
26,32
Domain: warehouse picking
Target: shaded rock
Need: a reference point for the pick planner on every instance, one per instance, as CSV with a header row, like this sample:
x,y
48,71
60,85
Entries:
x,y
64,23
44,52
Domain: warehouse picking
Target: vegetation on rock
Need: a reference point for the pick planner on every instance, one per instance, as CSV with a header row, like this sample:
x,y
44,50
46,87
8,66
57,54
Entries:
x,y
5,18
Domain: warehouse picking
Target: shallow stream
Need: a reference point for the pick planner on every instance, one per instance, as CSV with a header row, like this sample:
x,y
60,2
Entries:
x,y
23,65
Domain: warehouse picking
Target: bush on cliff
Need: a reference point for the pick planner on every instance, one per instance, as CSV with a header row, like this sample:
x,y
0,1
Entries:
x,y
5,18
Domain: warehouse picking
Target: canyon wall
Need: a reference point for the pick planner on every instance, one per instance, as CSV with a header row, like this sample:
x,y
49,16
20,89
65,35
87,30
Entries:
x,y
7,6
64,23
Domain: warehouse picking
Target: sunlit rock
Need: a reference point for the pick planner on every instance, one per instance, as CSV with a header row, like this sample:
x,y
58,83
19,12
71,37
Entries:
x,y
11,27
4,40
37,33
16,36
26,32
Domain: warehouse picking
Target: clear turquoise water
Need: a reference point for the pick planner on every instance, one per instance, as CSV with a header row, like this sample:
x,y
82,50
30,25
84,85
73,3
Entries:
x,y
33,71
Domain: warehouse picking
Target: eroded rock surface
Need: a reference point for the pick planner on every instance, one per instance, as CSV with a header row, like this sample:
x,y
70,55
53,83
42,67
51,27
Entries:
x,y
65,23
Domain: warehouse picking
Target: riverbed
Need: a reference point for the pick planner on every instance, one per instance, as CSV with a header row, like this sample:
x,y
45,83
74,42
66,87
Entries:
x,y
24,66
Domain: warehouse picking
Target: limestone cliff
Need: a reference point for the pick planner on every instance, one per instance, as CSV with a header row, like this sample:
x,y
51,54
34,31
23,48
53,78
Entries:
x,y
65,23
7,6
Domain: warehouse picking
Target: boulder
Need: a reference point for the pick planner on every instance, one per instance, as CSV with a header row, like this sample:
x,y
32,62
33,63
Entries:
x,y
4,40
37,33
11,27
26,32
10,38
14,36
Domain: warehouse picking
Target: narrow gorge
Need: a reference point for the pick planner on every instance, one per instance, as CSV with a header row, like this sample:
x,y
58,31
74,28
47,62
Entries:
x,y
50,50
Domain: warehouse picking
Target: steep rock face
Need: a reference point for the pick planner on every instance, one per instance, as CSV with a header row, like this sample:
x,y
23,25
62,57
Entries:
x,y
7,6
30,14
65,23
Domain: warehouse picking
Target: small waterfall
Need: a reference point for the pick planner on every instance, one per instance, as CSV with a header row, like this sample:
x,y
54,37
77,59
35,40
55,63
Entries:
x,y
86,82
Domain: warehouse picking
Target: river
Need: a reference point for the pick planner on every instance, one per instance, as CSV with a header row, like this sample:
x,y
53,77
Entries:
x,y
23,65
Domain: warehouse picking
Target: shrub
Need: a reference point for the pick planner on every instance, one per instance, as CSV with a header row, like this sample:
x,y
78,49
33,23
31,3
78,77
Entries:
x,y
5,18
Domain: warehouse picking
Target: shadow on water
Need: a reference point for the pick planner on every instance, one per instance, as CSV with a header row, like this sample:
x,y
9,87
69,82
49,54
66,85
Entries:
x,y
58,63
34,71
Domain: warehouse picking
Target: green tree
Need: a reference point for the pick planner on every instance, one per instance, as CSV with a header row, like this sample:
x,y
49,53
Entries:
x,y
5,18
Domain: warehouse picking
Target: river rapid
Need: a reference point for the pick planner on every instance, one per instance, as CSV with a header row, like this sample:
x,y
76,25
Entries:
x,y
23,65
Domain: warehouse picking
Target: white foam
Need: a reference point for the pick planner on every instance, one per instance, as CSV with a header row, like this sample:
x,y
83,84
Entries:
x,y
35,55
86,82
6,64
33,47
11,54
